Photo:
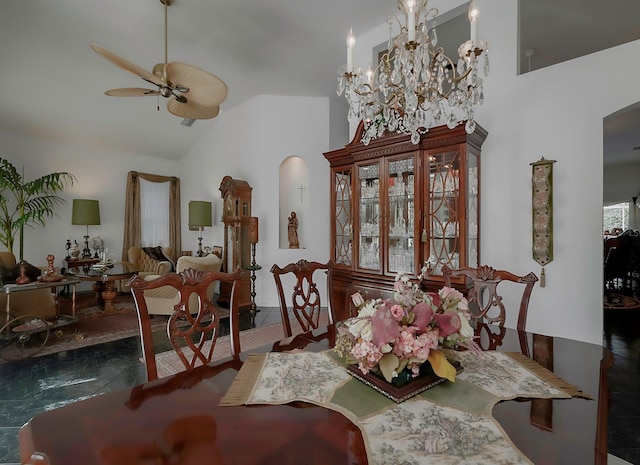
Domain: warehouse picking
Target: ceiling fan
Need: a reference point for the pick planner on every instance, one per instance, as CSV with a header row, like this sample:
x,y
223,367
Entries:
x,y
192,92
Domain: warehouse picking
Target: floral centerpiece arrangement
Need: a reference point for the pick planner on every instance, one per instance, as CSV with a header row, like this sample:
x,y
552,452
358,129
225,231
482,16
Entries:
x,y
398,335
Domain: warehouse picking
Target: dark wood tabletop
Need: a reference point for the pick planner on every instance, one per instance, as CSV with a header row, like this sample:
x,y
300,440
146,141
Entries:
x,y
180,416
113,272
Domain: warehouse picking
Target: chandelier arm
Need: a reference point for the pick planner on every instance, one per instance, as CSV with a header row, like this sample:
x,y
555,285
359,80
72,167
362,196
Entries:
x,y
461,77
390,20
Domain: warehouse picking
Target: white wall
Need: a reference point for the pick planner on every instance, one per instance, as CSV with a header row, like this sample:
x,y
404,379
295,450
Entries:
x,y
249,143
557,113
101,175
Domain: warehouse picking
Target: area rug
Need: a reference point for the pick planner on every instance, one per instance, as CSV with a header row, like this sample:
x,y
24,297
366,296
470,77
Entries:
x,y
620,302
91,328
168,362
94,328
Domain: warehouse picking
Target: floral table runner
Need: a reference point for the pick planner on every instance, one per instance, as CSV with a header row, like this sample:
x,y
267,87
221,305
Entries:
x,y
460,426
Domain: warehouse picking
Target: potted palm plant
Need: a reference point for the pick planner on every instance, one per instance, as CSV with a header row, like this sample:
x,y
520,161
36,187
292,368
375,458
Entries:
x,y
27,203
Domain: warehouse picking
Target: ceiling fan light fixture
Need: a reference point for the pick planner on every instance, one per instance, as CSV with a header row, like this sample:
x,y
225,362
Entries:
x,y
192,93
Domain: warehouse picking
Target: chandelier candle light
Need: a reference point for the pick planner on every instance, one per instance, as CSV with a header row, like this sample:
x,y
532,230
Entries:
x,y
415,85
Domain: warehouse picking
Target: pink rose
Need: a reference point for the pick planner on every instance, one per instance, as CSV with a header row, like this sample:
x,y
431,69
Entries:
x,y
397,312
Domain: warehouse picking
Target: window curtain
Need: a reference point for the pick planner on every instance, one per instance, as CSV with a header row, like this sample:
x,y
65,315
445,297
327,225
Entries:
x,y
132,211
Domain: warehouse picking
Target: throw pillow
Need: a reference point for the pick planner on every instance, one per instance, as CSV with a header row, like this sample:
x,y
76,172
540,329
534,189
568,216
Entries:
x,y
9,275
157,254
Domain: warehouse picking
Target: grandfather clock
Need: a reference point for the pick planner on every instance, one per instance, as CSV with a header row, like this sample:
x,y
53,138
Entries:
x,y
236,216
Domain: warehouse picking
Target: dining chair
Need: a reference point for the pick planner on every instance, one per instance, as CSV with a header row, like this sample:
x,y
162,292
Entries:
x,y
485,302
192,335
305,303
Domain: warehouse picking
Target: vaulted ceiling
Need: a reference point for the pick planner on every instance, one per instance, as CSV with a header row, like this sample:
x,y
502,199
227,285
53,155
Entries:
x,y
52,84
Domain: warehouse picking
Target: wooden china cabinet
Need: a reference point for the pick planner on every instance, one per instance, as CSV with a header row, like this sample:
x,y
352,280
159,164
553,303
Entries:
x,y
236,216
396,206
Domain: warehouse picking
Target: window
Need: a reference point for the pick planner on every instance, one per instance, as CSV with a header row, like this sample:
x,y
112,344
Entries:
x,y
154,213
616,217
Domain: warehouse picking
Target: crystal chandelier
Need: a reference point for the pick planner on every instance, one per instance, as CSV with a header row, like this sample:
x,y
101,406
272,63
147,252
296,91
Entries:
x,y
415,85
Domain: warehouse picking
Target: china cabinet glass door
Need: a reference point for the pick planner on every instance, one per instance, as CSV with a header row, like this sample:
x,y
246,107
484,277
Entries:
x,y
400,216
473,213
343,253
443,216
369,217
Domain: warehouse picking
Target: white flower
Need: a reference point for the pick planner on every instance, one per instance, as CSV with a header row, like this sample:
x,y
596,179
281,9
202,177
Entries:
x,y
361,328
466,331
369,308
386,348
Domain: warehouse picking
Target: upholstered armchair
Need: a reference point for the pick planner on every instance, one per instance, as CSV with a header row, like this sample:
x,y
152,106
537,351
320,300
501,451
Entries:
x,y
39,302
161,301
148,265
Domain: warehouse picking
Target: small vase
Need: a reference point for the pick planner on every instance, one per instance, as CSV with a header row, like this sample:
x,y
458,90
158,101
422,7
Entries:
x,y
23,278
74,250
406,375
404,386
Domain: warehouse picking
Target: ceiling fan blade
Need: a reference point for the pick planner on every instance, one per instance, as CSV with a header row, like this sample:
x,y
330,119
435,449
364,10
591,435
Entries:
x,y
191,110
127,65
204,89
132,92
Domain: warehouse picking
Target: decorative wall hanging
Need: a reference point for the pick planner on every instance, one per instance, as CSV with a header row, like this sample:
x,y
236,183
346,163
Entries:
x,y
542,208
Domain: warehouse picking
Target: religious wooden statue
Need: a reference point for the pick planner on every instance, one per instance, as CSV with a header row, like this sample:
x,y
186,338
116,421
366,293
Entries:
x,y
293,231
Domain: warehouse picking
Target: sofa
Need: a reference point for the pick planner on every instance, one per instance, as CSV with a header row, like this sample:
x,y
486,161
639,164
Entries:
x,y
146,264
39,302
161,301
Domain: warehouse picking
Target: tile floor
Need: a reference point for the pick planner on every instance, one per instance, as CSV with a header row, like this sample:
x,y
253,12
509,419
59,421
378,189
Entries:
x,y
622,337
44,383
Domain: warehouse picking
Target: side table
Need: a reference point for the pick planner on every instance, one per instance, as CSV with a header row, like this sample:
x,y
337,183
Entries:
x,y
104,279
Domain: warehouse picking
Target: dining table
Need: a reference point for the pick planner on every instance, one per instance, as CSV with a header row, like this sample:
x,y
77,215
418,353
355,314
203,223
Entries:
x,y
183,419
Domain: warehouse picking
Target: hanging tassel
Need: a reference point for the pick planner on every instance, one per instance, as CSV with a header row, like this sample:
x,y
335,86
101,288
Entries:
x,y
543,280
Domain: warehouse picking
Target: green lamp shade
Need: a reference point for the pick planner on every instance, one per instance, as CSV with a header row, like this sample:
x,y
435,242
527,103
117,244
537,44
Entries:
x,y
85,212
200,213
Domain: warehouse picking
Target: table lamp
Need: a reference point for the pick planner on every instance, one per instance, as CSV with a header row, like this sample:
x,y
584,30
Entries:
x,y
86,212
200,216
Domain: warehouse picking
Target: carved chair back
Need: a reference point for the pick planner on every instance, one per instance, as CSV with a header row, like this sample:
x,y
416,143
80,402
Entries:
x,y
193,336
485,302
305,303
